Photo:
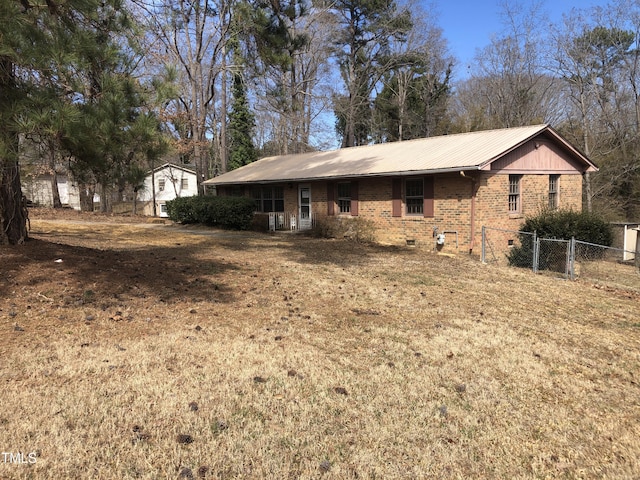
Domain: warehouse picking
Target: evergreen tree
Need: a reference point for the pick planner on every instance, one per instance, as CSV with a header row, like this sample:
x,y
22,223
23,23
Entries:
x,y
279,37
45,47
421,114
362,49
241,124
27,30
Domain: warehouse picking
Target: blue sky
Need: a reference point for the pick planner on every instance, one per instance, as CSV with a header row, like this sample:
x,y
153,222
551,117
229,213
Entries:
x,y
469,24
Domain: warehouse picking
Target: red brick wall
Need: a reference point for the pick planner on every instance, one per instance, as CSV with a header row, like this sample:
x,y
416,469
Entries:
x,y
492,207
291,198
452,206
452,211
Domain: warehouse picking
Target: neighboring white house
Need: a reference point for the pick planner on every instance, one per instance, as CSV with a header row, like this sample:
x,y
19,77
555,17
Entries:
x,y
170,181
38,189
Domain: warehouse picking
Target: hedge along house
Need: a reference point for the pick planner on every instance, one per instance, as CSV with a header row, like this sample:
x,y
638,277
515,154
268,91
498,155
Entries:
x,y
414,190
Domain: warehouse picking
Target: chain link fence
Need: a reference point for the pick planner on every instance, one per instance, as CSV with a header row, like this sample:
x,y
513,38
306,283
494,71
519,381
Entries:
x,y
569,259
553,256
507,247
609,265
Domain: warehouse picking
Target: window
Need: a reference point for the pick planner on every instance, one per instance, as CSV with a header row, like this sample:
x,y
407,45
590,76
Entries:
x,y
414,197
278,199
185,183
344,197
268,199
256,193
235,191
554,181
161,182
514,193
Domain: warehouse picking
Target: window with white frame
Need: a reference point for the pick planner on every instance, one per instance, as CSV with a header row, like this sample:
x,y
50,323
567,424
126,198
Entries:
x,y
184,183
414,196
161,182
515,205
554,186
344,197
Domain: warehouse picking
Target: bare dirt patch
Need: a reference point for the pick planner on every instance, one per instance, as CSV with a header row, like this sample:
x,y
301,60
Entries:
x,y
138,350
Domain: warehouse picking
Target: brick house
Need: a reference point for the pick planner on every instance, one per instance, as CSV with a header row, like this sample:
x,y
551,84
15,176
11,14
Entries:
x,y
413,189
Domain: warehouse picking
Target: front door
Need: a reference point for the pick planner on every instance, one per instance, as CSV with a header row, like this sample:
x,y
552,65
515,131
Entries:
x,y
304,209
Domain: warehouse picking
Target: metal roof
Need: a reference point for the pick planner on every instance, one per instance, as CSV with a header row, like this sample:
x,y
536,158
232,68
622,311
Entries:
x,y
447,153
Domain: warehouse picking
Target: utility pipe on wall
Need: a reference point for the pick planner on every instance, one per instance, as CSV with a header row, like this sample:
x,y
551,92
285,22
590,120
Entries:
x,y
474,191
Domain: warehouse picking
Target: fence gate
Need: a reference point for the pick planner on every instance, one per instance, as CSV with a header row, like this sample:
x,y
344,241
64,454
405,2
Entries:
x,y
553,255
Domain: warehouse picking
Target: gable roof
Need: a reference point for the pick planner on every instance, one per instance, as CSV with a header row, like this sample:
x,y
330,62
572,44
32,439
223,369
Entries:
x,y
448,153
173,166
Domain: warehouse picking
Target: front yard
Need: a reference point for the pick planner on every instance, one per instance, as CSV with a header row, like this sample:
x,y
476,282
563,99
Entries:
x,y
150,351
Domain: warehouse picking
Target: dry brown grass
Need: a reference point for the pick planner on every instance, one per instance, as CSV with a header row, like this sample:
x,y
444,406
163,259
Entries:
x,y
158,352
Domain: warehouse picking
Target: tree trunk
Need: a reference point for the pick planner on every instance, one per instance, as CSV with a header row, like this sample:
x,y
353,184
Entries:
x,y
104,201
224,147
587,150
13,209
135,202
55,193
86,197
153,188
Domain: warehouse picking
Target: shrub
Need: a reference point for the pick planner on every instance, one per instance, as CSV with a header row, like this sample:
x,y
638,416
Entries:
x,y
354,228
227,212
185,209
565,224
560,224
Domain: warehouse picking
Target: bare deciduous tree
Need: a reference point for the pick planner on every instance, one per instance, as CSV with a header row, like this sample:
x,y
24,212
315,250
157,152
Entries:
x,y
509,85
191,35
595,60
414,94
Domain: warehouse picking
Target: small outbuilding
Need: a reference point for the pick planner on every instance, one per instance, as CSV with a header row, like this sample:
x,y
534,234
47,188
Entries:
x,y
412,191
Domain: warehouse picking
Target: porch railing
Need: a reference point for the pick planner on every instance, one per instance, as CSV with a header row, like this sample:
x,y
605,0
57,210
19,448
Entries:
x,y
289,221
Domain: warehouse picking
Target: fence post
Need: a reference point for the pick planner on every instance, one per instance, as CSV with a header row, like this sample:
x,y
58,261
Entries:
x,y
536,253
572,259
484,237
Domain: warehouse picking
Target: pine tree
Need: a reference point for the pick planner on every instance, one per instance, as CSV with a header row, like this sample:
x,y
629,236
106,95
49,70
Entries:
x,y
280,39
17,23
44,40
362,50
241,124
